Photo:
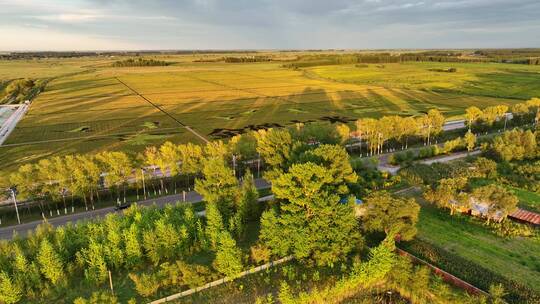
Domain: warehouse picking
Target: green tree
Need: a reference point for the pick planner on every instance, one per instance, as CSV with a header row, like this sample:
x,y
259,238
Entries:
x,y
445,195
214,223
86,175
45,177
98,298
25,180
228,256
534,106
169,161
501,202
9,291
93,257
50,263
62,177
118,168
274,146
151,159
437,121
250,197
472,114
344,132
390,214
431,124
515,144
133,252
192,156
219,186
484,167
320,133
470,140
311,220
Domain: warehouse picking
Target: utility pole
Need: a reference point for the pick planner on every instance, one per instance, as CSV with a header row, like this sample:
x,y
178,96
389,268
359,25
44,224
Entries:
x,y
259,165
143,185
15,202
110,282
234,164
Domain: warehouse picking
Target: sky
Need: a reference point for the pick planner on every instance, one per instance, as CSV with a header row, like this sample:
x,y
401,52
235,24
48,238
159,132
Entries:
x,y
31,25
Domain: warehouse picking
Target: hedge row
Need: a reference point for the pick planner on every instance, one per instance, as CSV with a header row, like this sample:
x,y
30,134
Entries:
x,y
470,271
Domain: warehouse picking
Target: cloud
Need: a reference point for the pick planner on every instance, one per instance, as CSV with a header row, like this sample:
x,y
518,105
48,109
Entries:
x,y
69,18
47,39
189,24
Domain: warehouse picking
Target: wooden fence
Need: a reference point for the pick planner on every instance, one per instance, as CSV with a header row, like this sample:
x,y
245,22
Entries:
x,y
221,281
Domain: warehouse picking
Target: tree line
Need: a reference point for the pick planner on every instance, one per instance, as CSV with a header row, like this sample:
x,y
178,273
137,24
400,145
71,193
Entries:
x,y
139,62
334,59
243,59
20,90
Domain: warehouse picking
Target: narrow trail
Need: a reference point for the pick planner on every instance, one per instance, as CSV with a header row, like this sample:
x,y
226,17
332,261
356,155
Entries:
x,y
164,112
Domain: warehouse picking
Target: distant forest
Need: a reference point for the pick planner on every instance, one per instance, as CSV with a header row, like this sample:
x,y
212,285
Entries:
x,y
247,59
140,62
517,56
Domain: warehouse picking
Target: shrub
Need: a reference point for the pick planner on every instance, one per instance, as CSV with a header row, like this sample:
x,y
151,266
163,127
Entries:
x,y
260,254
145,284
181,273
401,158
512,229
485,168
427,152
453,145
98,298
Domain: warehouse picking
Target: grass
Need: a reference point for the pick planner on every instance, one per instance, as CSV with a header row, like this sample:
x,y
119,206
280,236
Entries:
x,y
527,200
85,108
478,79
514,258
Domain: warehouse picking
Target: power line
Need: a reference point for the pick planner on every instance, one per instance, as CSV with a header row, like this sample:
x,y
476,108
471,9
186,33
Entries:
x,y
164,112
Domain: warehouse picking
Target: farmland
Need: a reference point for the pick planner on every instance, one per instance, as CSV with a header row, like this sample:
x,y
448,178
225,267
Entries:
x,y
512,258
89,106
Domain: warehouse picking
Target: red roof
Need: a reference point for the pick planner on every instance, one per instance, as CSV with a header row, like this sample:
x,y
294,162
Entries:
x,y
527,216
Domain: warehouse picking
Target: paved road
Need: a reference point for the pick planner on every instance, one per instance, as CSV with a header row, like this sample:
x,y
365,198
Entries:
x,y
454,125
9,125
191,197
447,158
387,167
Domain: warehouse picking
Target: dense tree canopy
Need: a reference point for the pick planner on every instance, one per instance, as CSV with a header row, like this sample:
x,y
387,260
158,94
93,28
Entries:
x,y
515,145
310,220
391,214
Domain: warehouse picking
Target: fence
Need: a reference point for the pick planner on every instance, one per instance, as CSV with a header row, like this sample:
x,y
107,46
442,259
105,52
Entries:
x,y
445,275
221,281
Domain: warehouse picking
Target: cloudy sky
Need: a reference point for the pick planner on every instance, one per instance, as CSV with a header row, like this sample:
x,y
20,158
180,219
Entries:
x,y
267,24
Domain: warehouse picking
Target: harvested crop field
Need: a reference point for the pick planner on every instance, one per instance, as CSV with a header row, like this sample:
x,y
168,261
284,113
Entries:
x,y
91,106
